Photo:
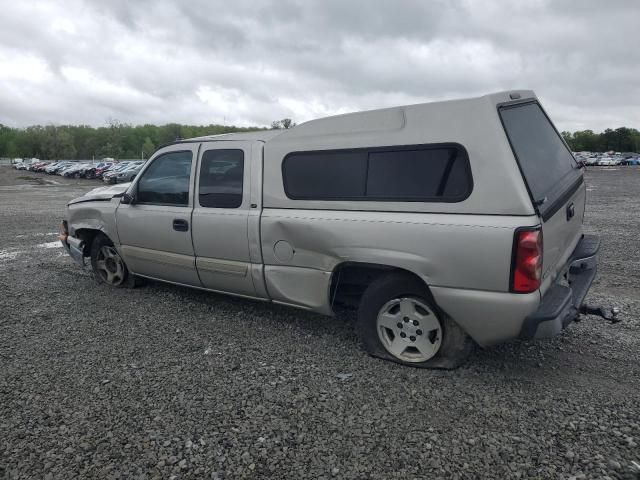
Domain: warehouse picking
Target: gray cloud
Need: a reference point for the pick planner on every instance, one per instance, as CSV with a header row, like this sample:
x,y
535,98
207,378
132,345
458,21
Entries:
x,y
248,62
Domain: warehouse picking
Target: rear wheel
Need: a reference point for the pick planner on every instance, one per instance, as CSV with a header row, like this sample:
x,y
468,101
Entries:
x,y
398,321
107,264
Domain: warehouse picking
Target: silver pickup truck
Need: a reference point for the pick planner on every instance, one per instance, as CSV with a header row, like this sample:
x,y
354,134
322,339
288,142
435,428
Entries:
x,y
446,224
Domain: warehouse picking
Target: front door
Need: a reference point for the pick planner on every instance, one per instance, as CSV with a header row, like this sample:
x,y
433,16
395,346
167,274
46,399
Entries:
x,y
220,217
155,230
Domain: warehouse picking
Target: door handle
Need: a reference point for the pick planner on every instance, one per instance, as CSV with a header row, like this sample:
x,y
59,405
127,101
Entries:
x,y
180,225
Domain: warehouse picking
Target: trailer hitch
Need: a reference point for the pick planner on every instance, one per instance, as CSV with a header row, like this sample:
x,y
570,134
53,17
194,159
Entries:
x,y
608,313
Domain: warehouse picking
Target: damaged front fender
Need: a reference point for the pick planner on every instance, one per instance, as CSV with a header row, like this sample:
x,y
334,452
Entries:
x,y
85,218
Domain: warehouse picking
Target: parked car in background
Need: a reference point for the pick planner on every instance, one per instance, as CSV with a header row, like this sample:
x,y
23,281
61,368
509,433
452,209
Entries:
x,y
110,176
96,170
606,161
104,168
74,170
39,167
51,167
443,223
58,167
129,173
631,161
31,163
77,170
69,166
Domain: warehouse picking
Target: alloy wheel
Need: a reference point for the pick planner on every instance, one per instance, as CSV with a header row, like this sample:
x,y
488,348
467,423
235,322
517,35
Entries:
x,y
409,330
110,266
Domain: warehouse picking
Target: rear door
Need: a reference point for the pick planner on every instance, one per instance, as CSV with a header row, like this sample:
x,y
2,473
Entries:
x,y
222,231
553,177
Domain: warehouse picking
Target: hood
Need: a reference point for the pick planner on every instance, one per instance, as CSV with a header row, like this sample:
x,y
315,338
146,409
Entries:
x,y
102,193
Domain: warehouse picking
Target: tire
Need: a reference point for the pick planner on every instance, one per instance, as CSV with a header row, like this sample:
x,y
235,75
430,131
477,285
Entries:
x,y
107,264
399,321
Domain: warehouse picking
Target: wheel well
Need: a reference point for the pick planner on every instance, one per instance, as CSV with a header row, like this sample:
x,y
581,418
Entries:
x,y
87,235
349,281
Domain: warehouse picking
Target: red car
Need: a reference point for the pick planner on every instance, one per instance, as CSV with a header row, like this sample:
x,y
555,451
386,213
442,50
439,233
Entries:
x,y
99,170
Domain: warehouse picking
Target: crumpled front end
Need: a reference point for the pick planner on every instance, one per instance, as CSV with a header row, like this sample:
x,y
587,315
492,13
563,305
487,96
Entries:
x,y
74,246
102,193
88,215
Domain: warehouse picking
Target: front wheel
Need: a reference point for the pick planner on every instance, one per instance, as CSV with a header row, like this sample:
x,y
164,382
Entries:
x,y
398,321
107,264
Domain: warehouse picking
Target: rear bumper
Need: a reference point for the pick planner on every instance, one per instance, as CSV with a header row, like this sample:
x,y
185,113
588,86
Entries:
x,y
561,303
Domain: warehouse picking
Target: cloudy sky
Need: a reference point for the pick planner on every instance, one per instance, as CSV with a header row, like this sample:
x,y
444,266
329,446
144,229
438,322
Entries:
x,y
251,62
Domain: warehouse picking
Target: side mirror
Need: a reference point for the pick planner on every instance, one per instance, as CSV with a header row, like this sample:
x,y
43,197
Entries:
x,y
128,199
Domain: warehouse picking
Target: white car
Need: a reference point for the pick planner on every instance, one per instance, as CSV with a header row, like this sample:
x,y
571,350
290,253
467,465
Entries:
x,y
606,162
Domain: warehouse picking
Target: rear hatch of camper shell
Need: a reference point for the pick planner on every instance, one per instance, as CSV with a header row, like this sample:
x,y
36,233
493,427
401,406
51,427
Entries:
x,y
553,177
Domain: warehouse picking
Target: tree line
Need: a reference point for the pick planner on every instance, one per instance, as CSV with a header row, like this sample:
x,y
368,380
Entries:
x,y
119,140
116,140
621,139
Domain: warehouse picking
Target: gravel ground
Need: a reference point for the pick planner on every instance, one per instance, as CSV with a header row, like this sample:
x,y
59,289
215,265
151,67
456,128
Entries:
x,y
163,381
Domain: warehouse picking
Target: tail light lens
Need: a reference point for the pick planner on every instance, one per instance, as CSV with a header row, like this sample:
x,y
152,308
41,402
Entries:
x,y
526,268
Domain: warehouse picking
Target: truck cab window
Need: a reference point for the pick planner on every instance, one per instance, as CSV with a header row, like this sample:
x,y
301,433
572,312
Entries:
x,y
221,178
166,181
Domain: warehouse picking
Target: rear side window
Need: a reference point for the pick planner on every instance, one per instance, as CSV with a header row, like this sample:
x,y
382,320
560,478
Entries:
x,y
221,177
417,173
546,163
325,175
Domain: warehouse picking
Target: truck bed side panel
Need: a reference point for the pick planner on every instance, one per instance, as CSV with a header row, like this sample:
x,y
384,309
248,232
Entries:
x,y
463,253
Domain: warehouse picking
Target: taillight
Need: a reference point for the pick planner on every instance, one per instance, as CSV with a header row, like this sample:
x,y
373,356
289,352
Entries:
x,y
526,267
